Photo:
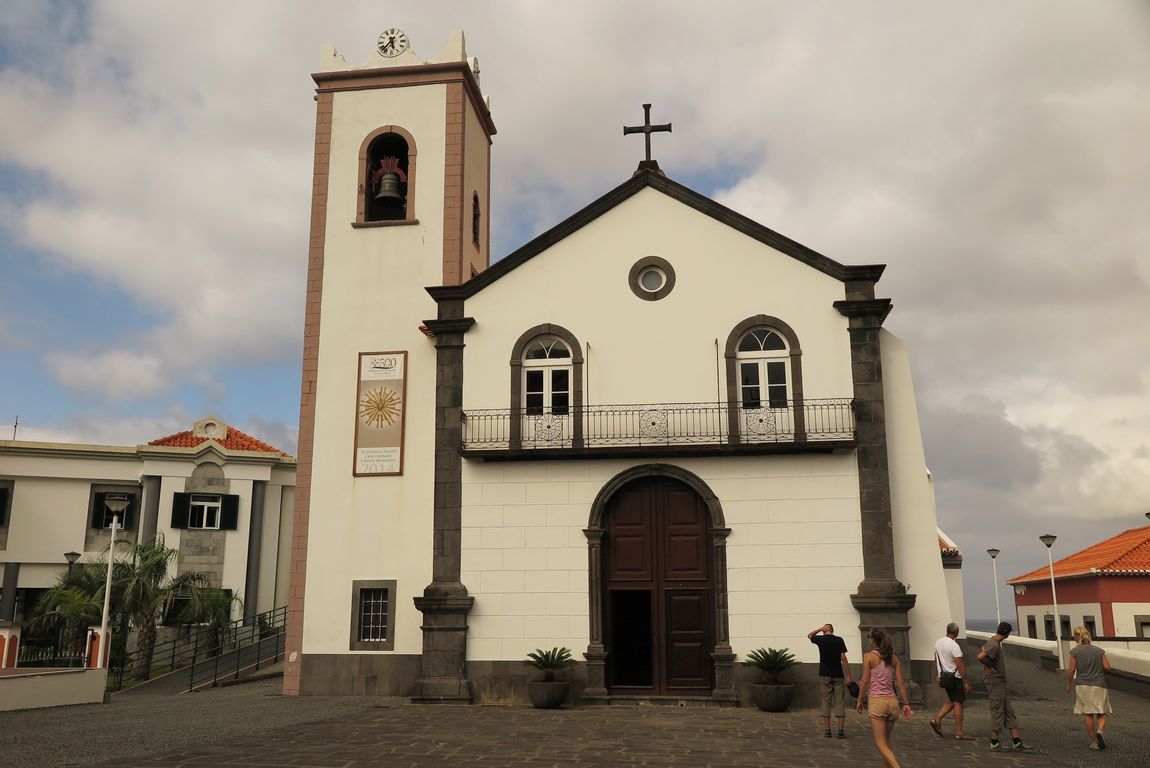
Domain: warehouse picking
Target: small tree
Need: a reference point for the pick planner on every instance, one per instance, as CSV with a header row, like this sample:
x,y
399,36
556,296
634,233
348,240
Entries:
x,y
149,591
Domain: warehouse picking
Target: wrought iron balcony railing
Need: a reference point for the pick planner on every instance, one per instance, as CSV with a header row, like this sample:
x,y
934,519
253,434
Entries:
x,y
666,425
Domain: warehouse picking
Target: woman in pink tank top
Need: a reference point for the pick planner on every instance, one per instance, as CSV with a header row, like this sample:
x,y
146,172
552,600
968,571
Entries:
x,y
881,673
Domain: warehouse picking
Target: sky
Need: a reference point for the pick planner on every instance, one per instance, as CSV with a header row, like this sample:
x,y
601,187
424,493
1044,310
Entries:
x,y
155,162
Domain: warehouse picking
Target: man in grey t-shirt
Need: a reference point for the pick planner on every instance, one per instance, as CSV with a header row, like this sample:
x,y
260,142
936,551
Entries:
x,y
1002,717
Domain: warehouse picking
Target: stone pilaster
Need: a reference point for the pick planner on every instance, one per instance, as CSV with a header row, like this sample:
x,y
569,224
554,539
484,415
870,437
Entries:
x,y
882,599
596,654
723,656
445,602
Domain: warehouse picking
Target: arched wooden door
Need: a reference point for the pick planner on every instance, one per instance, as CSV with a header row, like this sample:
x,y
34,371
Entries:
x,y
659,592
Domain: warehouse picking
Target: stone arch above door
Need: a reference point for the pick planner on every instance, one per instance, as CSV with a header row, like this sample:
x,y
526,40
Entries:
x,y
596,655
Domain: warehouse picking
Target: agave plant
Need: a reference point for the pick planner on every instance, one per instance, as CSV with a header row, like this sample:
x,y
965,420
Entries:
x,y
772,662
549,661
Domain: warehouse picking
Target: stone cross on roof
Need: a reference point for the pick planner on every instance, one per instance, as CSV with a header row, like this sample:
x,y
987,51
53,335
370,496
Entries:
x,y
647,129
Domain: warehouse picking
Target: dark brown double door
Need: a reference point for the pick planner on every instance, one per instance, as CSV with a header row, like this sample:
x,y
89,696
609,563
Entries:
x,y
658,590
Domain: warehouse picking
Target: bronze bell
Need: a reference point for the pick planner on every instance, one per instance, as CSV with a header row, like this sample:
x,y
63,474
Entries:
x,y
388,187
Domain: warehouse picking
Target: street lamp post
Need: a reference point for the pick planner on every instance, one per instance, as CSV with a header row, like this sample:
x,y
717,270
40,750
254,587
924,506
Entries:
x,y
117,507
71,557
994,565
1049,539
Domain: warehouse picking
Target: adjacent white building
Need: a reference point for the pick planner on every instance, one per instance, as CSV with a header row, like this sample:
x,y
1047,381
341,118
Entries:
x,y
660,434
219,496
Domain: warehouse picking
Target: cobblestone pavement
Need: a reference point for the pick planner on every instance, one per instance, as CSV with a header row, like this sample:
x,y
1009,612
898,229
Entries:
x,y
251,725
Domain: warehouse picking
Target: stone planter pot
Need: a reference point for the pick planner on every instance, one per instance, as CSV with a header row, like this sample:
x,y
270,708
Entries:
x,y
547,695
772,698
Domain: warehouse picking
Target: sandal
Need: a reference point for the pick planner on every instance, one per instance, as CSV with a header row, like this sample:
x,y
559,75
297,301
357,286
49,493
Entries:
x,y
936,727
964,737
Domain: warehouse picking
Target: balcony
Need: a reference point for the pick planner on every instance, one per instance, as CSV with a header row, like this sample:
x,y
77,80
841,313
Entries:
x,y
660,429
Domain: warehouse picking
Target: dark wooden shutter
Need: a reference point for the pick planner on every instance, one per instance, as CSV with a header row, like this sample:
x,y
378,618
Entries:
x,y
229,512
3,506
98,509
131,512
181,503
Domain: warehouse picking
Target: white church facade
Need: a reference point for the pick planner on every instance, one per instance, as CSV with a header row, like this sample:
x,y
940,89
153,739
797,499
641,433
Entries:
x,y
659,434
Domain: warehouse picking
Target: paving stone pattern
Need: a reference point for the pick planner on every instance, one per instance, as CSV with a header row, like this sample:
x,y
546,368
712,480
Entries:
x,y
251,725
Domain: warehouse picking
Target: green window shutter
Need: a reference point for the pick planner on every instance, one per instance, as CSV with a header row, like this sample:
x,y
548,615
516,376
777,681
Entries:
x,y
181,502
98,510
229,512
4,506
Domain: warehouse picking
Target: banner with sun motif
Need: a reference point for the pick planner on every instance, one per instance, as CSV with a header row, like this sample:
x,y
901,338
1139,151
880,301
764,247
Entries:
x,y
380,405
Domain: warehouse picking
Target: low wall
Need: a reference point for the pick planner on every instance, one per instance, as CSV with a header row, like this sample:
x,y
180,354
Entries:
x,y
36,688
1129,670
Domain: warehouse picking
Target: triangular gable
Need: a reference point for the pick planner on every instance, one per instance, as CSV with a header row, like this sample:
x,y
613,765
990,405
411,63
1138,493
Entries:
x,y
643,179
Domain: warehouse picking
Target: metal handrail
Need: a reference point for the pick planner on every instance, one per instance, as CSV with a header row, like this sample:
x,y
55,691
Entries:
x,y
197,644
660,424
258,643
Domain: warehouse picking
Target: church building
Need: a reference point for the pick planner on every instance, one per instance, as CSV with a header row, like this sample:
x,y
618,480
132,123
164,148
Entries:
x,y
660,433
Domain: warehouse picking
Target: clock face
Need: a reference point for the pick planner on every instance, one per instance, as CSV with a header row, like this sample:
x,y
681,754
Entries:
x,y
392,42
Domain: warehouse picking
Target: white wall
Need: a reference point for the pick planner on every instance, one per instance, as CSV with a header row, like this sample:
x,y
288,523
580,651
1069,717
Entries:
x,y
1124,614
1075,611
655,351
373,301
793,556
918,563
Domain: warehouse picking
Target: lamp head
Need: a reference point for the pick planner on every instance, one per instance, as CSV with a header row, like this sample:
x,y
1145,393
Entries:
x,y
117,505
71,557
1048,539
993,552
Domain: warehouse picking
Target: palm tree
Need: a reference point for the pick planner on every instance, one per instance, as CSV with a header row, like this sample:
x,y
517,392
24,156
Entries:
x,y
148,592
73,603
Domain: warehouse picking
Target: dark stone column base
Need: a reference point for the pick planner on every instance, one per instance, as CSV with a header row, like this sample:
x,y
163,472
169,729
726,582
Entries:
x,y
443,678
889,610
724,692
596,689
442,690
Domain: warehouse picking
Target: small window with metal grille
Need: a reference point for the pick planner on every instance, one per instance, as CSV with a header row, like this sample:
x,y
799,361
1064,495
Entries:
x,y
373,615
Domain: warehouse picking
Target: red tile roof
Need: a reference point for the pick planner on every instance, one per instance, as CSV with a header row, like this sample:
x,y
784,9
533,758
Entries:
x,y
1127,554
235,441
947,546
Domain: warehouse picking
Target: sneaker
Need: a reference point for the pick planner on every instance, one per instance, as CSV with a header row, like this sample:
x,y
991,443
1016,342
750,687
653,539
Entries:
x,y
936,727
1018,746
842,734
994,745
1095,746
826,734
1101,741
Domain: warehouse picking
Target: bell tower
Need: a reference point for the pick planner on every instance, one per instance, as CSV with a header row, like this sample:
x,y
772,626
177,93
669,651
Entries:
x,y
400,202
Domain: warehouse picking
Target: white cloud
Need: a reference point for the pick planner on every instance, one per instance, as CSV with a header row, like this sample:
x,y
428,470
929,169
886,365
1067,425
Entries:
x,y
118,374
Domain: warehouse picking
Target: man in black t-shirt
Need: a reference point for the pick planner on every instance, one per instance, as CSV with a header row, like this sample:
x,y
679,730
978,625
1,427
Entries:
x,y
833,667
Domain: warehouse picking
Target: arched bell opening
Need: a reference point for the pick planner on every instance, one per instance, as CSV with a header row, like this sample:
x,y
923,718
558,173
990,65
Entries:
x,y
387,174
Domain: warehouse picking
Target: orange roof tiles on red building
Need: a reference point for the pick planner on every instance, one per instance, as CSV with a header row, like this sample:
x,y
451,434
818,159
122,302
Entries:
x,y
1127,554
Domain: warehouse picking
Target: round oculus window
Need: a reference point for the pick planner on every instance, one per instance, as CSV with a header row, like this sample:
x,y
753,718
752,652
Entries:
x,y
651,278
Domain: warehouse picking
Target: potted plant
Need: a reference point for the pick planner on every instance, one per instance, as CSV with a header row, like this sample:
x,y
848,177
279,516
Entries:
x,y
772,695
548,693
